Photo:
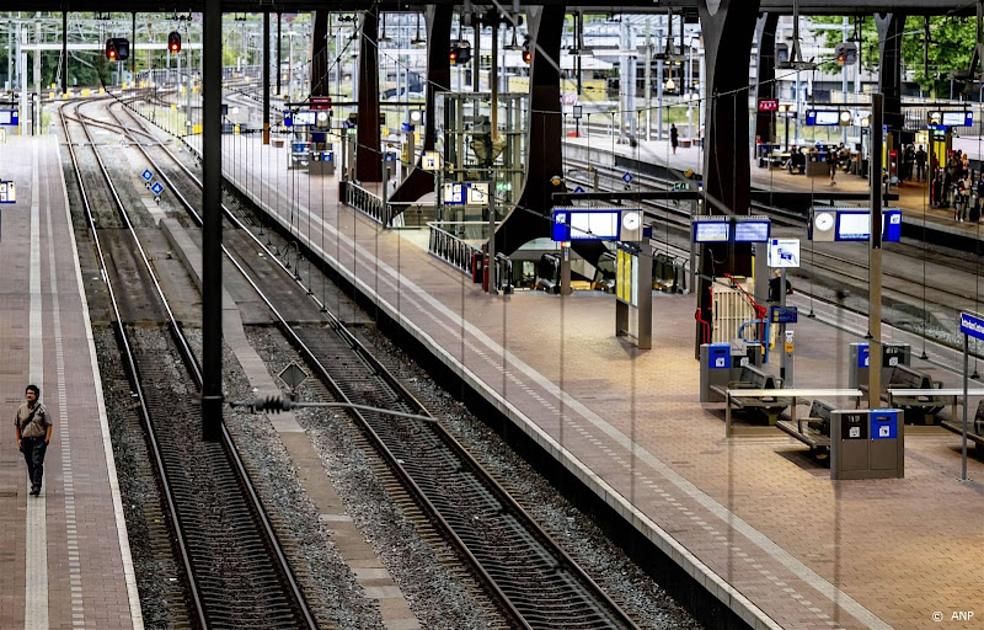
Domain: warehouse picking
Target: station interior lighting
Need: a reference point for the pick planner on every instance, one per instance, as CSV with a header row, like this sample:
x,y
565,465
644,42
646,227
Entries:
x,y
174,42
845,118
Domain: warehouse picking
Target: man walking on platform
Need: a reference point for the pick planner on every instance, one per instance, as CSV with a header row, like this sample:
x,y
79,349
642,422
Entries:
x,y
921,163
34,431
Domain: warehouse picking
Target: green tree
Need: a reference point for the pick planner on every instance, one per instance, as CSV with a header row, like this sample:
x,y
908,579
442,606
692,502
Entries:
x,y
951,45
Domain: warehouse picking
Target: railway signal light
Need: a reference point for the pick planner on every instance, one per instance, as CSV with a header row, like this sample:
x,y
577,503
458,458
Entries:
x,y
527,52
846,53
459,53
174,42
117,49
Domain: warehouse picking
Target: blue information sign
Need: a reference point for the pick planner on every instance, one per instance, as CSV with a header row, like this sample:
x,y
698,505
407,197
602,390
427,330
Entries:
x,y
855,225
147,175
972,325
719,356
784,315
884,424
864,358
157,189
627,178
578,190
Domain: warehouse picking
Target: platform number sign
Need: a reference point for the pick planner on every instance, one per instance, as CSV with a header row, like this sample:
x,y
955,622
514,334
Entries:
x,y
147,176
627,178
578,190
157,188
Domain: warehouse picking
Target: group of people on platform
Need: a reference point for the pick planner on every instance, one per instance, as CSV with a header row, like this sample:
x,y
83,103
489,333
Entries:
x,y
955,185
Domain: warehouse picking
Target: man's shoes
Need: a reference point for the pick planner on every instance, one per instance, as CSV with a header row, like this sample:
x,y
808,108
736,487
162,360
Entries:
x,y
35,492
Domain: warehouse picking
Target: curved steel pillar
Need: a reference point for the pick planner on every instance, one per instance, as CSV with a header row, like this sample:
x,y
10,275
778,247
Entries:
x,y
544,154
890,27
368,153
319,55
438,17
765,122
727,27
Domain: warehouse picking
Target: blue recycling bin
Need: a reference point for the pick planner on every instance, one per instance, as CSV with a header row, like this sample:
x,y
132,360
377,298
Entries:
x,y
719,356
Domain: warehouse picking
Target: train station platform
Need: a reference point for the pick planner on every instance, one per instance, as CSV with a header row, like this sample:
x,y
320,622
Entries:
x,y
913,196
752,517
64,555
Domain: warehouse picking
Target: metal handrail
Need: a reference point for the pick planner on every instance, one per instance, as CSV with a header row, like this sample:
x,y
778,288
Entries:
x,y
368,203
451,248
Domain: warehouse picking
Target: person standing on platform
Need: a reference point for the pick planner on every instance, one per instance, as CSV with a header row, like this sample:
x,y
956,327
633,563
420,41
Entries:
x,y
775,287
674,137
963,197
921,163
975,211
832,164
936,188
948,177
34,429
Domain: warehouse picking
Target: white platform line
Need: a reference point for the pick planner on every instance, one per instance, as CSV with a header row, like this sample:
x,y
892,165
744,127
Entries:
x,y
64,427
133,595
36,551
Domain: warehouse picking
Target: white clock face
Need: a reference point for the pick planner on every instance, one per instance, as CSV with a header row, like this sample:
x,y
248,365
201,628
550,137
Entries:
x,y
823,221
631,220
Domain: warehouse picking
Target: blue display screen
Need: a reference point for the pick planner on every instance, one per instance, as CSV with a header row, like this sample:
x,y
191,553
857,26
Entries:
x,y
712,231
823,117
752,231
856,226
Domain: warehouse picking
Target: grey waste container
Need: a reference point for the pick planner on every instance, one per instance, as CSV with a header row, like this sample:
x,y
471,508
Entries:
x,y
867,444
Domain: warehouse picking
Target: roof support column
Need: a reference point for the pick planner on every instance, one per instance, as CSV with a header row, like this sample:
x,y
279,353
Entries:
x,y
765,30
890,27
266,77
212,221
64,53
368,156
438,17
544,155
319,55
727,27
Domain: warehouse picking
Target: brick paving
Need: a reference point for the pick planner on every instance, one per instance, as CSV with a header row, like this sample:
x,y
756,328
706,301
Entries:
x,y
90,582
753,518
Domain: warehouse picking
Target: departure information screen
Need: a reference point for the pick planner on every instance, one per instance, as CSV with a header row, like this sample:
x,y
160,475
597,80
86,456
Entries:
x,y
712,231
752,231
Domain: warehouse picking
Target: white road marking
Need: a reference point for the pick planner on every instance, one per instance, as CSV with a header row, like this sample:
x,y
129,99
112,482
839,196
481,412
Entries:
x,y
36,551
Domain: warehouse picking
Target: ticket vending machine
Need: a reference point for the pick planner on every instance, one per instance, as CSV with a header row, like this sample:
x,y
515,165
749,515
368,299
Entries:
x,y
867,444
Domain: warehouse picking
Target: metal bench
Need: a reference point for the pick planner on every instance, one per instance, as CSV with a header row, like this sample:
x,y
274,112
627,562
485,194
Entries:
x,y
975,428
814,430
920,406
759,395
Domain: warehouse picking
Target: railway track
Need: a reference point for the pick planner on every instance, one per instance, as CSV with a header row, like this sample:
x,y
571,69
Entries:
x,y
529,576
235,569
